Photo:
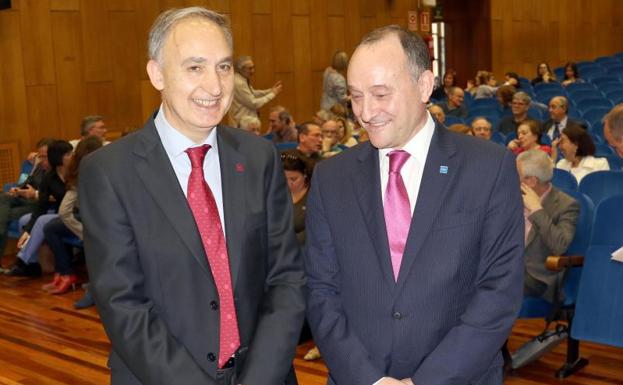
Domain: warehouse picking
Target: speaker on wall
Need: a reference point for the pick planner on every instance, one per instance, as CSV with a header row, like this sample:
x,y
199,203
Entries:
x,y
5,4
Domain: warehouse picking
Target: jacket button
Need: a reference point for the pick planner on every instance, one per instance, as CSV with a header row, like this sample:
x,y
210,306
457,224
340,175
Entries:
x,y
211,357
214,305
397,315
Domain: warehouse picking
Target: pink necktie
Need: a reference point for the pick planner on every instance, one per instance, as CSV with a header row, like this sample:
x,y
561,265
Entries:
x,y
397,209
206,215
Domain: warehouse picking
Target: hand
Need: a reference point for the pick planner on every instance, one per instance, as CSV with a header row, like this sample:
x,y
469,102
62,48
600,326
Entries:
x,y
32,157
513,144
13,191
555,142
407,381
28,192
547,77
22,239
531,199
277,87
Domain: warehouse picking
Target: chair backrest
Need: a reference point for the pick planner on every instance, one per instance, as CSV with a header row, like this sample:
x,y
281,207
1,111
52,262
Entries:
x,y
603,149
564,180
488,103
599,308
615,96
450,120
541,87
595,112
545,96
600,185
575,95
614,161
286,146
605,88
498,137
575,87
604,79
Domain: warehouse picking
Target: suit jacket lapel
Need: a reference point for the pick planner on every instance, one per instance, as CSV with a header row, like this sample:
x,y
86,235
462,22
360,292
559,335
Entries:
x,y
233,166
367,184
155,170
430,197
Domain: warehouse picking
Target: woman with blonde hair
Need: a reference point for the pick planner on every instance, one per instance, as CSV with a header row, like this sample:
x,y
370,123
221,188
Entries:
x,y
334,88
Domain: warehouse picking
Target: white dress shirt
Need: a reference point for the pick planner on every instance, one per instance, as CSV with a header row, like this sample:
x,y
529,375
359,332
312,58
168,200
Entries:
x,y
561,125
175,145
413,169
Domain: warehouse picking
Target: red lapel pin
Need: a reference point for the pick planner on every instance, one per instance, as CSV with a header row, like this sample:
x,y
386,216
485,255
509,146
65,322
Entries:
x,y
239,167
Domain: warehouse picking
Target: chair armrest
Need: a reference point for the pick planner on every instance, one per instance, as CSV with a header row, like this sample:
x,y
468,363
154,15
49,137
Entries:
x,y
560,262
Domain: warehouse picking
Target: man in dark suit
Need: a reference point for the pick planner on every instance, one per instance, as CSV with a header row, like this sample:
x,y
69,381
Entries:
x,y
558,109
415,239
194,264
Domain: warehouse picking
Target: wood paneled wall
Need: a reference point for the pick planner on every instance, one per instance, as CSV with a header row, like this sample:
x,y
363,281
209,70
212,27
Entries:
x,y
527,32
64,59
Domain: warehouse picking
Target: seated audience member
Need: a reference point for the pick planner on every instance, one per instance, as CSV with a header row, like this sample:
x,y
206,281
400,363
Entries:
x,y
92,125
519,108
558,119
441,91
454,106
251,124
461,129
248,100
344,132
571,74
334,89
437,113
22,199
511,79
550,219
504,96
320,117
330,144
50,195
485,85
613,128
310,143
67,223
481,128
528,138
282,125
577,148
298,175
543,75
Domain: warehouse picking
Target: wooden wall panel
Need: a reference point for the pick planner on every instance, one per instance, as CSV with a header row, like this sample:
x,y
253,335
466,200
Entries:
x,y
96,41
303,69
263,51
125,72
242,27
101,101
300,7
42,112
150,100
69,64
37,42
282,36
64,5
146,11
121,5
13,110
319,27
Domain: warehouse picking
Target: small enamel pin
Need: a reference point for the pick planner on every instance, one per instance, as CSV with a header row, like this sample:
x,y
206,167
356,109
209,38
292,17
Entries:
x,y
443,169
239,167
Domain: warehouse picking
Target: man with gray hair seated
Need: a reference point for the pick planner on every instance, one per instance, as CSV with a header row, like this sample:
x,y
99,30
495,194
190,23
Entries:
x,y
519,107
613,129
92,125
248,100
550,220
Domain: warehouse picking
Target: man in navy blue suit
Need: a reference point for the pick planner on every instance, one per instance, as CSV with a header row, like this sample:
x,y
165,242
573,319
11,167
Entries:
x,y
414,239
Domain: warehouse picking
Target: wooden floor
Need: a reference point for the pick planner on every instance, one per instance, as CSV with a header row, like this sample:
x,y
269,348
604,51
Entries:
x,y
43,340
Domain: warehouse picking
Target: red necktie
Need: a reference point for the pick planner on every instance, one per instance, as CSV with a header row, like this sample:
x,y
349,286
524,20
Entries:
x,y
206,215
397,209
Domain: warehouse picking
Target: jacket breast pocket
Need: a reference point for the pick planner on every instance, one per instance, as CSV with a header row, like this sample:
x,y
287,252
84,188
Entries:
x,y
454,219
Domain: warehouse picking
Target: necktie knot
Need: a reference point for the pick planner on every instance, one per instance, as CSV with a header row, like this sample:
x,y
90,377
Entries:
x,y
197,155
397,159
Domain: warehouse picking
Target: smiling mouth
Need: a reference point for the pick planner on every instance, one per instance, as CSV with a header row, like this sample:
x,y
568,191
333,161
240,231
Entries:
x,y
206,103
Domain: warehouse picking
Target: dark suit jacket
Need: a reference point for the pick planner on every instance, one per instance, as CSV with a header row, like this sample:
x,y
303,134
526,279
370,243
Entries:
x,y
549,123
460,282
150,276
551,234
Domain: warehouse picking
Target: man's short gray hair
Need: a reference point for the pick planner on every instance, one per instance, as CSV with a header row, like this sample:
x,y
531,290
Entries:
x,y
524,97
413,46
536,163
614,118
167,19
88,122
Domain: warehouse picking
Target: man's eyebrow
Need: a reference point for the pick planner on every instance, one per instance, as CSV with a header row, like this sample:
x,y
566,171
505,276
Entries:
x,y
195,60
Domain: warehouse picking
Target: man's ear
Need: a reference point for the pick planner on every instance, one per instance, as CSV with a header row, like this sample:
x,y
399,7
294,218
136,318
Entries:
x,y
425,84
155,75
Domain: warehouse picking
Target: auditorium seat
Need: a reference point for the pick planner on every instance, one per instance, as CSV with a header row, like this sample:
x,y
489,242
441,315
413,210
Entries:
x,y
600,185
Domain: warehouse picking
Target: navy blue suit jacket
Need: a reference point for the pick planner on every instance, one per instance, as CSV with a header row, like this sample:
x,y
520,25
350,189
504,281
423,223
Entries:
x,y
460,282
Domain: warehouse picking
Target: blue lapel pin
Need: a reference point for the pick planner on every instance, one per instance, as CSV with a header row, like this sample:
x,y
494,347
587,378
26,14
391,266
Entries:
x,y
443,169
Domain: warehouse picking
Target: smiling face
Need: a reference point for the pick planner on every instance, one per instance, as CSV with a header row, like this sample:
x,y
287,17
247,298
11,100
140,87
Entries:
x,y
195,77
387,101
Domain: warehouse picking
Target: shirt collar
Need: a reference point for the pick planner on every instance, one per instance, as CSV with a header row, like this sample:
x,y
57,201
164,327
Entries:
x,y
419,144
174,142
